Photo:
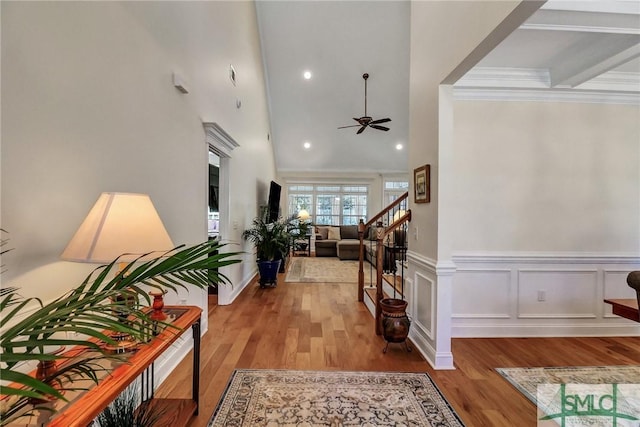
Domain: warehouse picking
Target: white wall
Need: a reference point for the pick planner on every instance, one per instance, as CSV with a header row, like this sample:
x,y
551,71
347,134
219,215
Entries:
x,y
443,34
88,106
203,39
547,198
541,176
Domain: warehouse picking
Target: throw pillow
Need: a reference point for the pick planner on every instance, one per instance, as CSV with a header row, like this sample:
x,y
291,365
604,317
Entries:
x,y
334,233
323,232
349,232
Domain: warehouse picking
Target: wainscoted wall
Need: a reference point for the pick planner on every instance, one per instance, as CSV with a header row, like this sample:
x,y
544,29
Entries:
x,y
514,294
428,293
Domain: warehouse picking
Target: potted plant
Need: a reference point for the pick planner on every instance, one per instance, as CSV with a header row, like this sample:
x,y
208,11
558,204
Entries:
x,y
272,241
84,312
299,230
127,411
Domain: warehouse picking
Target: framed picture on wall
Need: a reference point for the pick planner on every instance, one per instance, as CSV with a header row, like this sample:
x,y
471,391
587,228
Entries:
x,y
422,184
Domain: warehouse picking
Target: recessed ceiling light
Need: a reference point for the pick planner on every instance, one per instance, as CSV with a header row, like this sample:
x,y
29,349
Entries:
x,y
307,75
306,145
398,146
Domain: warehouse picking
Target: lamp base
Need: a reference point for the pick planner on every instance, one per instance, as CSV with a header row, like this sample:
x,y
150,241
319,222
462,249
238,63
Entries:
x,y
158,304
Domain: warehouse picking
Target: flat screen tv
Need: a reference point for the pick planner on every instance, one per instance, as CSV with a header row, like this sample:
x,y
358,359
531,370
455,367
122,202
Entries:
x,y
274,202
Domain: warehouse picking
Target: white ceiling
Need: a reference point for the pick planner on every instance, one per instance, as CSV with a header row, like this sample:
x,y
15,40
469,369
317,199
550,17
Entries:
x,y
338,42
589,49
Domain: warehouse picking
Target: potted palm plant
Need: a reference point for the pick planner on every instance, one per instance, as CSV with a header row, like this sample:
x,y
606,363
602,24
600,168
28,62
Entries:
x,y
83,313
271,240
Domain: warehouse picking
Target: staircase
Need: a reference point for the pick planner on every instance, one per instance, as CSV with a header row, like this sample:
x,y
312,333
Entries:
x,y
385,237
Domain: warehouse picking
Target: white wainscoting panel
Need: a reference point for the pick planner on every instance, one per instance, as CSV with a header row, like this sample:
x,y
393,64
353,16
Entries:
x,y
421,279
565,293
424,291
497,294
482,294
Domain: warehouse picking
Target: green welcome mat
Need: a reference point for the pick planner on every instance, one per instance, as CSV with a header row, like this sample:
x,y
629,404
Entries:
x,y
330,398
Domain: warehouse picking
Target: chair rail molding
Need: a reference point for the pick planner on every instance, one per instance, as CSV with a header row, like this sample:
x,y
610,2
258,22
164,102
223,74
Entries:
x,y
529,294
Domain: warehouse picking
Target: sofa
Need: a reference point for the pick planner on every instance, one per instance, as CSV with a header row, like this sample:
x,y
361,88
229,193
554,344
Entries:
x,y
338,241
343,242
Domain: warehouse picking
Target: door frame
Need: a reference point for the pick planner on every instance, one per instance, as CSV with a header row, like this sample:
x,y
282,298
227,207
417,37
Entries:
x,y
222,144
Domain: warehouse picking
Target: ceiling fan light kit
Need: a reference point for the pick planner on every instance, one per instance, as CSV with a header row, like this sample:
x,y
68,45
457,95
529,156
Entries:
x,y
366,121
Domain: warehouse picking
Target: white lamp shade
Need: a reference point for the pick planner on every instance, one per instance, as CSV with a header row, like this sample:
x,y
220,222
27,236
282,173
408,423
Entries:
x,y
119,224
303,215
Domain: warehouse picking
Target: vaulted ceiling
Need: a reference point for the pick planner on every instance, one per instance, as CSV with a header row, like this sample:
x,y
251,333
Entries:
x,y
585,51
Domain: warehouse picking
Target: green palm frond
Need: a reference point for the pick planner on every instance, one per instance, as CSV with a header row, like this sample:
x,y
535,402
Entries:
x,y
93,307
269,238
125,412
54,385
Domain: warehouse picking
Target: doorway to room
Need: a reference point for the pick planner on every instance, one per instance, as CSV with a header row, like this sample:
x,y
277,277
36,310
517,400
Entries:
x,y
220,146
213,216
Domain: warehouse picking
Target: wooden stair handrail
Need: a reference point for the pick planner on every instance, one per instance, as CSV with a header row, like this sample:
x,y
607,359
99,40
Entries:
x,y
361,229
379,253
380,214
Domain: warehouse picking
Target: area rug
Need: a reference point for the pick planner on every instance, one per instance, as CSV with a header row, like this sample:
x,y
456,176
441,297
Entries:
x,y
322,270
328,398
526,380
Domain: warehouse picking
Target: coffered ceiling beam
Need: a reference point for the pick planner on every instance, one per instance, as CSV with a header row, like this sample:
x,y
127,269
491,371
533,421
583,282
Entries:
x,y
586,22
590,65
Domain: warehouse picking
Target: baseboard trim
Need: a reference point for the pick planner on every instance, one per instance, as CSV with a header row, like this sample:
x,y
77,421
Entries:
x,y
533,331
437,360
237,289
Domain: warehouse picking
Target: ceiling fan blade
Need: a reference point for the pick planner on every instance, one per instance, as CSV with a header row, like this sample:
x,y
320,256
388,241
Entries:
x,y
350,126
375,122
379,127
360,130
357,120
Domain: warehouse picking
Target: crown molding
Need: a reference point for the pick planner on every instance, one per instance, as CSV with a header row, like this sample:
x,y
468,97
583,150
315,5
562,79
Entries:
x,y
505,77
613,81
582,29
531,84
546,95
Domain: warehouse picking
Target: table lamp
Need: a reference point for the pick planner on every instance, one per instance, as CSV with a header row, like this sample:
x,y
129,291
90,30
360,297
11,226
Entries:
x,y
303,226
303,215
124,225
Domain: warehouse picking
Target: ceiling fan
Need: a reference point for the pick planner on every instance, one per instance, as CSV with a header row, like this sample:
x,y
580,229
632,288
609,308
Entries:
x,y
365,120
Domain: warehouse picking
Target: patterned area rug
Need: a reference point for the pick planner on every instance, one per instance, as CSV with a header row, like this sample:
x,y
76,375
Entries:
x,y
526,380
322,270
314,398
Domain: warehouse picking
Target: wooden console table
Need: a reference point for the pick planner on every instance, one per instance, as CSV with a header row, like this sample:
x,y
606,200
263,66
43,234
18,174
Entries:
x,y
298,241
85,405
627,308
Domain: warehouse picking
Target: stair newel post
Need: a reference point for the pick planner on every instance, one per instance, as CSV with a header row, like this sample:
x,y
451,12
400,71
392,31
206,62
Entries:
x,y
380,232
361,230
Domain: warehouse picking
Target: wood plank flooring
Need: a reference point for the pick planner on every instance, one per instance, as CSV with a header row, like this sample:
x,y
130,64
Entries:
x,y
321,326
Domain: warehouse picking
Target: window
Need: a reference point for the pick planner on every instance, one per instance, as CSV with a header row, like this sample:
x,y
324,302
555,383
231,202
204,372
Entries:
x,y
393,190
330,204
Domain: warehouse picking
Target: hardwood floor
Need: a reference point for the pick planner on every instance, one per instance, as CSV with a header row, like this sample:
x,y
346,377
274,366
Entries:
x,y
314,326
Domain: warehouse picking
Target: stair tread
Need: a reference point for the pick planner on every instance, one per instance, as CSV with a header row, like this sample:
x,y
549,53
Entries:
x,y
389,278
371,293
